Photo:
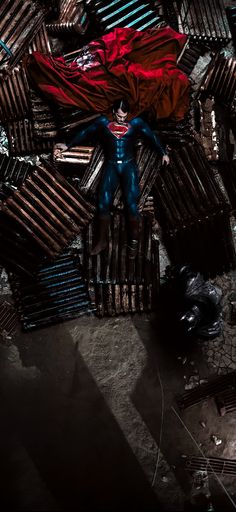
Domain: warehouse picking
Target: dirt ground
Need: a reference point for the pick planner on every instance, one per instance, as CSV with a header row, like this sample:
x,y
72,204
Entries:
x,y
89,418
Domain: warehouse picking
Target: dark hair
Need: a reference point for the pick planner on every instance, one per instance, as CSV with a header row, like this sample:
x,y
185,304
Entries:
x,y
122,103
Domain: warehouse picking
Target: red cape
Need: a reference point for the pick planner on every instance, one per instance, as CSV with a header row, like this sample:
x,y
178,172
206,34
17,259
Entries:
x,y
140,66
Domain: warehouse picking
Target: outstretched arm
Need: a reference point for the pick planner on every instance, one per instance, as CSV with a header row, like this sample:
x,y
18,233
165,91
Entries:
x,y
78,138
153,139
83,135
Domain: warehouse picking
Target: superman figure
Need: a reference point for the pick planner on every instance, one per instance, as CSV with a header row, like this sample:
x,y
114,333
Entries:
x,y
118,138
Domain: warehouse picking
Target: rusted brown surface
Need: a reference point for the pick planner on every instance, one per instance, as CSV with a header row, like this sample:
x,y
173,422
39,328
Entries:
x,y
204,21
18,29
193,212
72,18
48,209
220,80
118,284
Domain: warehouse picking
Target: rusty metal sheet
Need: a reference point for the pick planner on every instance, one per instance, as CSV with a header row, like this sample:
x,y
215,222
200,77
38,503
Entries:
x,y
194,213
13,172
92,175
22,141
17,103
14,96
56,293
210,389
51,192
72,18
119,285
220,80
19,23
203,21
189,57
114,263
40,42
76,155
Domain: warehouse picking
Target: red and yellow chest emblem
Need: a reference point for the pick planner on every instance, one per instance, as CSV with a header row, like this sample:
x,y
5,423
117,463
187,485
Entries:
x,y
118,130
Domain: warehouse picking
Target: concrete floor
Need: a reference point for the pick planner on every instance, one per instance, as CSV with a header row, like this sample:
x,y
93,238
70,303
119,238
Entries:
x,y
89,419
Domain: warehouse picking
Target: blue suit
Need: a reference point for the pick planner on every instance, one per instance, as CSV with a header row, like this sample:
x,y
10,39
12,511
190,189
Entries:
x,y
118,142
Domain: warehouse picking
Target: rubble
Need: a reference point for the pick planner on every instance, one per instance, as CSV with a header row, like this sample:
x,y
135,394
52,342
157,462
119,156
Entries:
x,y
205,390
192,383
216,440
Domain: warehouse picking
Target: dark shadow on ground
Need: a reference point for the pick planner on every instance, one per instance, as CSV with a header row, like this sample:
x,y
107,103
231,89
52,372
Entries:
x,y
164,372
67,430
158,386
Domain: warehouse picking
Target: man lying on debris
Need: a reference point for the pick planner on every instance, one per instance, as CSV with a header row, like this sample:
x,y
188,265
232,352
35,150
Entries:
x,y
118,139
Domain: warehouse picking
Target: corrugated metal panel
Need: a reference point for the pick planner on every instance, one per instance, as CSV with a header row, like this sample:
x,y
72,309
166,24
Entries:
x,y
12,174
20,21
14,96
204,21
220,80
193,212
189,57
211,465
208,390
22,141
73,18
118,284
137,14
56,293
48,209
40,42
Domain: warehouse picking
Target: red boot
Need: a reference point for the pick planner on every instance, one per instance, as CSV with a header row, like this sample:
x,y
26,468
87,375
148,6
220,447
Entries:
x,y
104,223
